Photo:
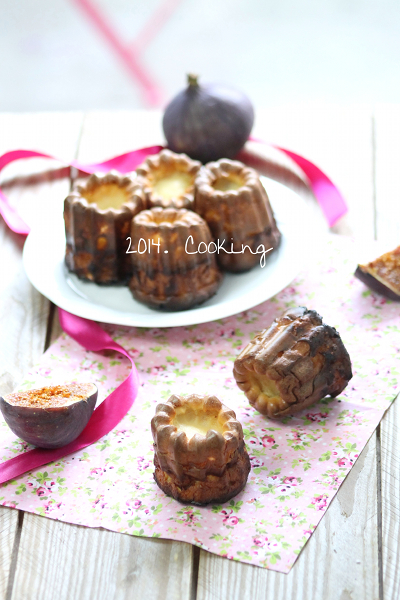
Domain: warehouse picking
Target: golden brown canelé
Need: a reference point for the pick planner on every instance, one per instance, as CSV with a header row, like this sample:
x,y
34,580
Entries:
x,y
167,179
382,275
168,271
297,361
231,199
199,451
98,216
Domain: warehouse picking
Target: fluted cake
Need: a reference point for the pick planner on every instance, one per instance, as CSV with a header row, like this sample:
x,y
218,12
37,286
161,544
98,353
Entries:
x,y
167,179
199,451
231,199
172,275
98,216
297,361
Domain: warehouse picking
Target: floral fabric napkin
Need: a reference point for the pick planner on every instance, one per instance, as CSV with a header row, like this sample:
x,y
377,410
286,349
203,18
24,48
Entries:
x,y
298,464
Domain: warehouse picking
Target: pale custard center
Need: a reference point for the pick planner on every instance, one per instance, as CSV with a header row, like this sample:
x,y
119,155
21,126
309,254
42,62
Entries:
x,y
106,196
228,183
267,387
172,186
197,422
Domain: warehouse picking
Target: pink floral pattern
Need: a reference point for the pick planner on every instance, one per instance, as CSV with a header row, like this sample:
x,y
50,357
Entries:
x,y
298,464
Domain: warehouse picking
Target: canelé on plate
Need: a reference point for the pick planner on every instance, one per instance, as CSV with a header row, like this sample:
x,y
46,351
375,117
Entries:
x,y
168,270
168,179
231,199
297,361
98,216
199,451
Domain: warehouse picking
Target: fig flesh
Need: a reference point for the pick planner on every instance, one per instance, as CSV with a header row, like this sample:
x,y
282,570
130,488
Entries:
x,y
208,122
382,275
50,417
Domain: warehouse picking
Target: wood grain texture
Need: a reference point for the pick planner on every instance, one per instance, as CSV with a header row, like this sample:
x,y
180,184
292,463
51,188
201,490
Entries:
x,y
340,561
23,311
390,481
8,534
62,561
387,139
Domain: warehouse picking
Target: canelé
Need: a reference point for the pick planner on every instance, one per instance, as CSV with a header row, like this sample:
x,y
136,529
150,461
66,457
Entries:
x,y
98,216
169,271
297,361
231,199
168,179
382,275
199,451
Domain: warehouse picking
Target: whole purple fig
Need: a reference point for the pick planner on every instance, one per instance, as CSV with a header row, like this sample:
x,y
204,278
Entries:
x,y
208,122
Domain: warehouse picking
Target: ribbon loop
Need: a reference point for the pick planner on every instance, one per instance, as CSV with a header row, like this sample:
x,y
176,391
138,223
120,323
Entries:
x,y
103,420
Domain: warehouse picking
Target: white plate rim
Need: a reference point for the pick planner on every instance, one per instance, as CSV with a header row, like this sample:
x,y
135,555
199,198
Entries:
x,y
36,256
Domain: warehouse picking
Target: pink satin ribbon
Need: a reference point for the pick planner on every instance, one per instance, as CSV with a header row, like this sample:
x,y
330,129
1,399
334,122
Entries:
x,y
90,335
124,163
107,416
328,196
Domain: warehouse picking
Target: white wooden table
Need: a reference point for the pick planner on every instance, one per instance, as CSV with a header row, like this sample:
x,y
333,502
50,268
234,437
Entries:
x,y
354,553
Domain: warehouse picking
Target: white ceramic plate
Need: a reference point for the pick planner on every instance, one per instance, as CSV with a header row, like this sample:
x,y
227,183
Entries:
x,y
43,260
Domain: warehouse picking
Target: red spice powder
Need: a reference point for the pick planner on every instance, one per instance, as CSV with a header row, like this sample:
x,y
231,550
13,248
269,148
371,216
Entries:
x,y
51,397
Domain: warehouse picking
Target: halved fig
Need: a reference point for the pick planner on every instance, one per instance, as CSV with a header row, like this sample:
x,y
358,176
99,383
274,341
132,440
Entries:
x,y
382,275
50,417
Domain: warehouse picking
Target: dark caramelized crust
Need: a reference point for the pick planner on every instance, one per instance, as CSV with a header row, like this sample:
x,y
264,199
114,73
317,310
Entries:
x,y
212,489
383,274
231,198
297,361
208,463
170,275
97,237
167,179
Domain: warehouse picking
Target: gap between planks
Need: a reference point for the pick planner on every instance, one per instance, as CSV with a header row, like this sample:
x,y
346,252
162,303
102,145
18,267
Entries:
x,y
387,182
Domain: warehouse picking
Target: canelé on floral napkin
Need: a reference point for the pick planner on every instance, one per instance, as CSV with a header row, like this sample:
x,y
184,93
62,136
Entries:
x,y
298,464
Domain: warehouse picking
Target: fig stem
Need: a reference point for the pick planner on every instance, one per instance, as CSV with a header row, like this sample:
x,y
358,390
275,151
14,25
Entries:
x,y
193,80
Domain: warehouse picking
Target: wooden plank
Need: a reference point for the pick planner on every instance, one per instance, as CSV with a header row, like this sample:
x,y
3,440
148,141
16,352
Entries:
x,y
58,560
9,534
341,558
390,485
23,311
387,153
107,134
338,139
387,137
115,565
339,561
